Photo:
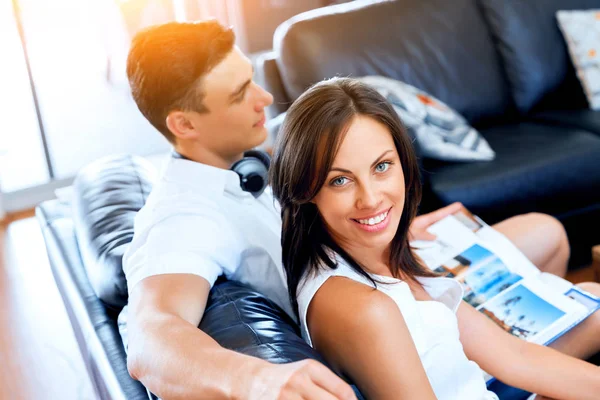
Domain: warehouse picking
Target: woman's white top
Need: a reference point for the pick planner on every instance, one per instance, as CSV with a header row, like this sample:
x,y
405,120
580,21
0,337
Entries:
x,y
432,325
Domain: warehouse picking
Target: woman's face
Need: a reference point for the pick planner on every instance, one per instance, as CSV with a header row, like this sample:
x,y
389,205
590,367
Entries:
x,y
362,199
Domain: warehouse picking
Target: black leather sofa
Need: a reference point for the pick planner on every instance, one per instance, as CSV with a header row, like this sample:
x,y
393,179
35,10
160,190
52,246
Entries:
x,y
86,236
504,65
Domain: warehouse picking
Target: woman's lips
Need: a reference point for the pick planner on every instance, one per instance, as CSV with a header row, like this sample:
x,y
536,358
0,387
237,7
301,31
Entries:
x,y
377,227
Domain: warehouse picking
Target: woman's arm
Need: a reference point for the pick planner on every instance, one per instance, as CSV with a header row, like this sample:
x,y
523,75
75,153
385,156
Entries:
x,y
525,365
362,333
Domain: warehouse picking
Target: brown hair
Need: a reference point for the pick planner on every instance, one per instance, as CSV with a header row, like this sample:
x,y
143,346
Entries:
x,y
312,131
166,64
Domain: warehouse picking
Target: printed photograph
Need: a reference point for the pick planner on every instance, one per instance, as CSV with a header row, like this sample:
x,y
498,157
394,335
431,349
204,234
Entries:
x,y
482,274
521,312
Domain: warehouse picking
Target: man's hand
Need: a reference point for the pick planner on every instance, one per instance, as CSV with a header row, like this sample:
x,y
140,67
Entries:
x,y
418,228
306,379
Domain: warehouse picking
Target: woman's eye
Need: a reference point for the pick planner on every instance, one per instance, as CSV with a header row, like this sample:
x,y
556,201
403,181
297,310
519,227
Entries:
x,y
382,166
339,181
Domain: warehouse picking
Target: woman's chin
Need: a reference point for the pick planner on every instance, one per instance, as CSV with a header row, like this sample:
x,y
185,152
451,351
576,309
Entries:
x,y
377,238
370,242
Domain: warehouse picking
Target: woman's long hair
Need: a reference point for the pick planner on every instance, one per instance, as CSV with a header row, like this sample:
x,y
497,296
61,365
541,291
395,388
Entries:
x,y
310,136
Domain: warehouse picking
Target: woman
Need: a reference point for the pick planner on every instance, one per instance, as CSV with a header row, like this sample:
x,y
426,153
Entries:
x,y
347,180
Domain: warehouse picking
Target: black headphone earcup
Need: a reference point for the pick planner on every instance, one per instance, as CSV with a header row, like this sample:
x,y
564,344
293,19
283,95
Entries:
x,y
253,172
261,155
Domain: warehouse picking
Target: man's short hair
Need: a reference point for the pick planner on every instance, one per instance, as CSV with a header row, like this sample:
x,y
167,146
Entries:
x,y
166,64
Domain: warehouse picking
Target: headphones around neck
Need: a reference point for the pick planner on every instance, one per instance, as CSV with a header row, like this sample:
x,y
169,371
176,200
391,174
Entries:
x,y
253,170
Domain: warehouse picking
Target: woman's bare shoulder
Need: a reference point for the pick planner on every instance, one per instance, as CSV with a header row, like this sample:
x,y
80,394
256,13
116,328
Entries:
x,y
346,302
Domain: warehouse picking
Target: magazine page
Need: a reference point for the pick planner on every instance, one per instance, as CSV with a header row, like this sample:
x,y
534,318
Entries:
x,y
454,237
559,284
498,280
497,243
451,237
534,312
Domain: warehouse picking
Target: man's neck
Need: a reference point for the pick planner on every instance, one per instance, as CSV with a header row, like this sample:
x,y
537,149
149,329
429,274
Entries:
x,y
203,156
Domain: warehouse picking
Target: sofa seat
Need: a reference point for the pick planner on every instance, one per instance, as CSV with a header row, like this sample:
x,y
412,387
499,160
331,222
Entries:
x,y
538,167
582,118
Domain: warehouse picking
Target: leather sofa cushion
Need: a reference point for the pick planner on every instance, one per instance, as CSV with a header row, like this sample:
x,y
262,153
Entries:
x,y
533,50
586,119
441,47
107,195
241,319
538,167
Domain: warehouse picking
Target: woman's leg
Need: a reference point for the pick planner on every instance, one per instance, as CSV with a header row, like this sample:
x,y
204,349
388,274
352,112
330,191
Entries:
x,y
542,238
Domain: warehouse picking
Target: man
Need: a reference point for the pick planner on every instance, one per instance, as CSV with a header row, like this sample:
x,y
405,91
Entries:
x,y
195,87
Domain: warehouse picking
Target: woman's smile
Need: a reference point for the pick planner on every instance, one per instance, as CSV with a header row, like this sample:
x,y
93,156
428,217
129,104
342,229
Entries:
x,y
376,223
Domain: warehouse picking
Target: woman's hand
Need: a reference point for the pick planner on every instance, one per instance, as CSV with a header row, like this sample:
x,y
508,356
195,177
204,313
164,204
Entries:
x,y
418,228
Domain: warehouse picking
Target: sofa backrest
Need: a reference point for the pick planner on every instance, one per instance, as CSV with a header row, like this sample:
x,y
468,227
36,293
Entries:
x,y
442,47
534,52
107,194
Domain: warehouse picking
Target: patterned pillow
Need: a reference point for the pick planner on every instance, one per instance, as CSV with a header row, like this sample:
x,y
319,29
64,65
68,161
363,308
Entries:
x,y
441,132
581,30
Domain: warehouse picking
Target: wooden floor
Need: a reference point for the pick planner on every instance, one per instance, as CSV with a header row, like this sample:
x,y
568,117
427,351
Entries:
x,y
39,358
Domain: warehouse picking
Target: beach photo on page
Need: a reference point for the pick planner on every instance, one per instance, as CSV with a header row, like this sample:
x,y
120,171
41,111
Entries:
x,y
482,274
521,312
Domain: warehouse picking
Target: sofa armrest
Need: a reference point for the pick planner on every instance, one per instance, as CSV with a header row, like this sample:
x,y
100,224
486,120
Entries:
x,y
96,332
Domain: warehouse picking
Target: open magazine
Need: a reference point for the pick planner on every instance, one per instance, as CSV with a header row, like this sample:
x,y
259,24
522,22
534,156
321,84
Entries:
x,y
500,282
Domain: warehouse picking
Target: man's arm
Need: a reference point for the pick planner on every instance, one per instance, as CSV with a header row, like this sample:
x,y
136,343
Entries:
x,y
176,360
362,332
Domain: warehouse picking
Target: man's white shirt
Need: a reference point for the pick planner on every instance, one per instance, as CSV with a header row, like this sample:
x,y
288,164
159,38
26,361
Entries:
x,y
197,220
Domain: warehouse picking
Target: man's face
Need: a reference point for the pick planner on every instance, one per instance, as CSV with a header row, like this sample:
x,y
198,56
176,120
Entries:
x,y
235,121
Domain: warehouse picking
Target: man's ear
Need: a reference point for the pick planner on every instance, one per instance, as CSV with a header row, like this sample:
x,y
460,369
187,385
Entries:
x,y
180,125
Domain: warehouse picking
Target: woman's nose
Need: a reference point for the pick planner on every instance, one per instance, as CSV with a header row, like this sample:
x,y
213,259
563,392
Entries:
x,y
368,197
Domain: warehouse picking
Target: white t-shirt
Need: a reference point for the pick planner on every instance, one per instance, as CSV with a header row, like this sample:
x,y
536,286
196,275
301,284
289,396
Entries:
x,y
432,324
198,220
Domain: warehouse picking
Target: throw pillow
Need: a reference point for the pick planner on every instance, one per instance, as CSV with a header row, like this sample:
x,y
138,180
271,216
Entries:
x,y
440,132
581,30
